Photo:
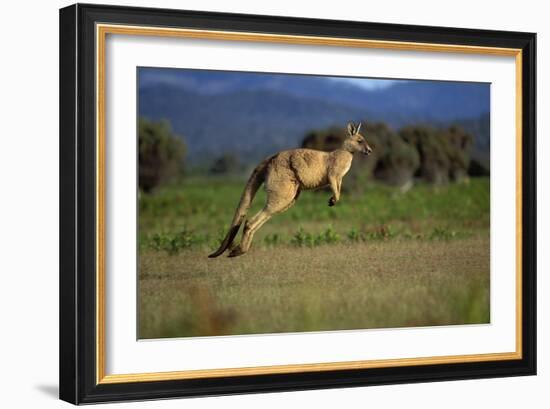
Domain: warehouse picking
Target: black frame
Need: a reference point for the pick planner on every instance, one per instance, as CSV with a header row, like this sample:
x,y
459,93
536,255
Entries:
x,y
77,204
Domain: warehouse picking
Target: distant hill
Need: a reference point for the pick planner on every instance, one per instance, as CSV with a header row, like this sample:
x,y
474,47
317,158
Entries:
x,y
253,115
246,123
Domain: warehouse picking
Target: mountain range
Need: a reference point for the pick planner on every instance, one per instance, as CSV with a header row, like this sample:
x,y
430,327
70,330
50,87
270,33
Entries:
x,y
255,114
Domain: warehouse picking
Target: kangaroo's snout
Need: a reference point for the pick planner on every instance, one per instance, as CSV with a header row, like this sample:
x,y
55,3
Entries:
x,y
367,150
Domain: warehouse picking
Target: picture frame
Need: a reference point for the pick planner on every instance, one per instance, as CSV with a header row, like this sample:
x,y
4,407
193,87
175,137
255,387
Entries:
x,y
83,181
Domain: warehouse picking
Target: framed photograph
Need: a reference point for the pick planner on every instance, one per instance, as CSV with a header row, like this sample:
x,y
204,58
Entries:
x,y
257,203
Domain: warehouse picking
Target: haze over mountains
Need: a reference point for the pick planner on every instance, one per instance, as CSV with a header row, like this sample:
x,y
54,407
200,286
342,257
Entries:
x,y
253,114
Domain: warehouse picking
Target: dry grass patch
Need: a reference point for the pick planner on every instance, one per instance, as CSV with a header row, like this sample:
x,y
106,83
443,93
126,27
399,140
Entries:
x,y
335,287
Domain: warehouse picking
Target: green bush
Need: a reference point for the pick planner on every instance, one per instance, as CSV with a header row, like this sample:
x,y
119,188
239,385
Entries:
x,y
227,163
324,139
432,150
160,154
459,144
397,160
444,153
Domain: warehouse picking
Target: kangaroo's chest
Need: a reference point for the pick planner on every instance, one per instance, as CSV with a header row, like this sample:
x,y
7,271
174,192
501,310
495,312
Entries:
x,y
340,164
344,166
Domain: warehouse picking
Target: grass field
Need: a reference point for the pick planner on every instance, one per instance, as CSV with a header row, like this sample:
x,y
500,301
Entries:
x,y
379,258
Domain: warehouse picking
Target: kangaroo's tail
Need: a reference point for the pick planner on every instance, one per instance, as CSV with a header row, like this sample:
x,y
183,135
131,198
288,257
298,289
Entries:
x,y
252,186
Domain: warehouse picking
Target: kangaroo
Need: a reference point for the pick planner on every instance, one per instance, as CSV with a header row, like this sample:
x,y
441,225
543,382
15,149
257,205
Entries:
x,y
286,174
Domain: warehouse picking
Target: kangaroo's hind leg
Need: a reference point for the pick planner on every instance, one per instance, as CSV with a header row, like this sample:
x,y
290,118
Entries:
x,y
250,227
277,202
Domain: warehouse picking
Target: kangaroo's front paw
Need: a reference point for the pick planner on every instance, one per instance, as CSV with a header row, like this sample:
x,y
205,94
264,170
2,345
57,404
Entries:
x,y
331,201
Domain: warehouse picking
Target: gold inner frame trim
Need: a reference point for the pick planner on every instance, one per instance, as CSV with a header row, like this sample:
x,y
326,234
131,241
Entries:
x,y
101,33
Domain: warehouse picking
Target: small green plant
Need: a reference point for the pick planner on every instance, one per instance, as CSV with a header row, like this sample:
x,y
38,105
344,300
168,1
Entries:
x,y
302,239
273,239
440,233
383,232
355,235
412,236
157,241
329,236
175,242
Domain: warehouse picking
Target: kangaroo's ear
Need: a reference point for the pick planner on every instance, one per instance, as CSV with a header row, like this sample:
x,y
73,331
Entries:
x,y
351,129
358,127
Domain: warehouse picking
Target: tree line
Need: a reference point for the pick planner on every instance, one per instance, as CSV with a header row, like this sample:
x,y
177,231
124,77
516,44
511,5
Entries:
x,y
416,152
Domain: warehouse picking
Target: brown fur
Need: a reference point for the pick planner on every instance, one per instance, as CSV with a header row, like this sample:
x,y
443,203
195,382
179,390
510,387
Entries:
x,y
285,175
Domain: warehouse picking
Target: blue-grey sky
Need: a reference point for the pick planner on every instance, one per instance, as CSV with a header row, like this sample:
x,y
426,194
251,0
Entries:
x,y
366,83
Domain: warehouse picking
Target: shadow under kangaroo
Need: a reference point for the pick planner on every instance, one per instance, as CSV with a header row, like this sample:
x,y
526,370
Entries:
x,y
286,174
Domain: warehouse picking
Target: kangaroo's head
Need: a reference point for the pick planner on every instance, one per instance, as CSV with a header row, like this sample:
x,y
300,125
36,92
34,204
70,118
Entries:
x,y
355,142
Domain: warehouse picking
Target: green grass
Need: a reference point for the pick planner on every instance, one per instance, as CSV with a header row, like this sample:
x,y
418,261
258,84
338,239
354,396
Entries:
x,y
197,213
377,259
